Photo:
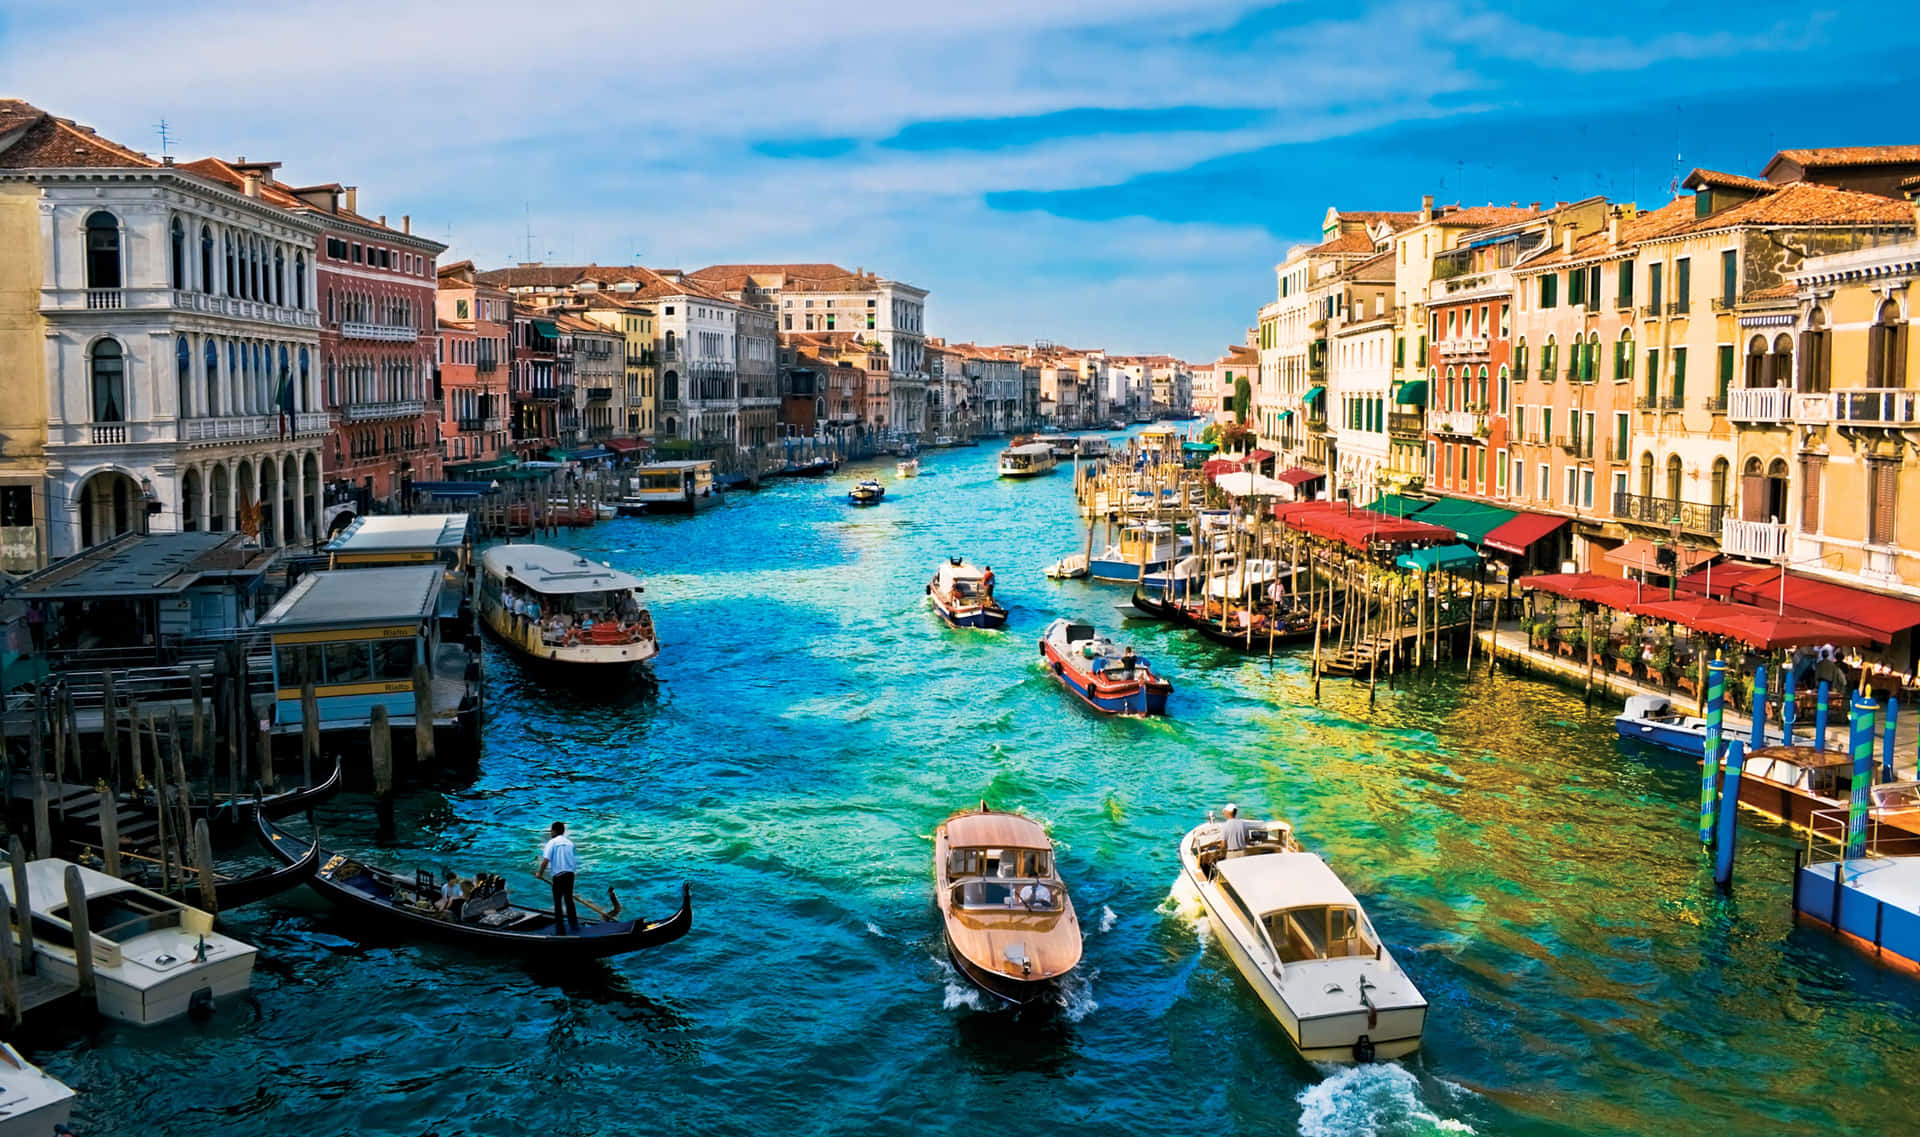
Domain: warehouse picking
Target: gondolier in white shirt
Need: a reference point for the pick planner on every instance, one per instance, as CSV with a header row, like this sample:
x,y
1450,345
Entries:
x,y
558,857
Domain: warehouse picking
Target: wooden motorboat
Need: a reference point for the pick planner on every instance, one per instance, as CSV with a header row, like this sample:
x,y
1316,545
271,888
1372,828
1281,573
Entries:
x,y
1105,676
1301,941
488,920
1145,548
555,606
962,596
1805,787
154,958
1073,566
867,491
32,1101
1009,923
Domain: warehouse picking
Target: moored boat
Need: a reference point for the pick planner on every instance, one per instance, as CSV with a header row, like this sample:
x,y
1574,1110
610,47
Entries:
x,y
154,958
867,491
1105,676
671,487
1009,924
1145,548
486,918
963,595
33,1103
1073,566
556,606
1029,460
1652,719
1804,786
1301,941
1871,901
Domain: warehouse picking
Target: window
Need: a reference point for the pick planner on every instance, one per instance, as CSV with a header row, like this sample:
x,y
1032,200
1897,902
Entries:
x,y
1586,489
206,260
356,253
1421,359
1546,483
280,277
1519,478
233,264
1883,484
109,382
336,248
347,662
1679,375
1653,374
1623,357
1729,278
460,310
1619,437
1577,288
1646,473
1811,467
1550,290
178,248
1682,283
1573,487
1626,285
1500,471
212,362
1674,478
1887,348
300,281
1653,285
1506,321
103,250
1724,381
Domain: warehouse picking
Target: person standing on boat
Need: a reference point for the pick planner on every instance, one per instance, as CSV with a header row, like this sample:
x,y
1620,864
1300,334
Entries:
x,y
1234,832
986,582
558,857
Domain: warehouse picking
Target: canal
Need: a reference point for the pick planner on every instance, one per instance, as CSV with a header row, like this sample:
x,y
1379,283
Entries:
x,y
812,723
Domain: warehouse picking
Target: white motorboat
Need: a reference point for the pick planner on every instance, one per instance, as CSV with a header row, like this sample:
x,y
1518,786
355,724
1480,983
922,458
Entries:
x,y
32,1101
1073,566
910,468
1237,579
154,959
1301,941
1145,548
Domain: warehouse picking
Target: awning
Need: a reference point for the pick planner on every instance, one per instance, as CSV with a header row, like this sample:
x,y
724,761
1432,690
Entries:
x,y
1199,447
1398,505
1260,456
589,453
625,445
1282,416
1882,616
556,455
1768,630
1471,519
1242,483
547,328
1641,553
1718,580
1440,557
1412,393
1524,531
1610,591
1299,476
1313,393
1358,528
1214,467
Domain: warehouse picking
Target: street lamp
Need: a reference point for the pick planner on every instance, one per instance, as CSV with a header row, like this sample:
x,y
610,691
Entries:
x,y
1673,570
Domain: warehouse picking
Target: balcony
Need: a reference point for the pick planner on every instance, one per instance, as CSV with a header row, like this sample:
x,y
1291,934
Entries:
x,y
1891,407
383,333
109,434
240,428
1717,404
1673,403
1678,308
1548,374
599,394
181,300
469,425
1759,404
1650,310
1406,424
1646,403
486,364
1466,345
1460,424
100,298
1755,540
1317,423
1577,446
367,412
1659,512
1813,409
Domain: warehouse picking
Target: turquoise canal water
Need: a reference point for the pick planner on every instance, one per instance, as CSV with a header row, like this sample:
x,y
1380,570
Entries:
x,y
813,722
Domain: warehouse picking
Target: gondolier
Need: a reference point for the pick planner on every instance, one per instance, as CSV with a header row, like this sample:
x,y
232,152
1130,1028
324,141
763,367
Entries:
x,y
558,857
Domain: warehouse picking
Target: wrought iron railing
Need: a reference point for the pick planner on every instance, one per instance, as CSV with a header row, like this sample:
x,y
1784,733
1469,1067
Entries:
x,y
1660,511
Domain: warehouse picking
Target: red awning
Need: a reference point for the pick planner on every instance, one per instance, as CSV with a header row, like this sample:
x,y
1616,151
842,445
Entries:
x,y
1524,530
1292,511
1260,456
1357,528
624,445
1298,476
1640,553
1767,630
1214,467
1721,580
1882,616
1687,611
1610,591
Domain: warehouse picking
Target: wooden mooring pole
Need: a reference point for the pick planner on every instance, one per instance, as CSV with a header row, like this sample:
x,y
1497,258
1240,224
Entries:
x,y
381,745
22,904
110,832
203,865
82,933
423,755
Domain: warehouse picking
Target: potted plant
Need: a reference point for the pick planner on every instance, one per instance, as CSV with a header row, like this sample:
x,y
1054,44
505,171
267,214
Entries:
x,y
1739,687
1662,664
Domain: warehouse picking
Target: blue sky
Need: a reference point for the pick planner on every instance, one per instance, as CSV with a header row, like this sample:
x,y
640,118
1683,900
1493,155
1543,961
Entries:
x,y
1121,174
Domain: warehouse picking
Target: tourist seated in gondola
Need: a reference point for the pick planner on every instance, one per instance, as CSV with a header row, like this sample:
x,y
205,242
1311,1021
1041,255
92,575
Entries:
x,y
453,893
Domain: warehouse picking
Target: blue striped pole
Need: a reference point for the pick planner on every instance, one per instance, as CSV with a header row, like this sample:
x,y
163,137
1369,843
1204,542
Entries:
x,y
1729,812
1710,760
1821,694
1860,745
1757,707
1886,745
1788,712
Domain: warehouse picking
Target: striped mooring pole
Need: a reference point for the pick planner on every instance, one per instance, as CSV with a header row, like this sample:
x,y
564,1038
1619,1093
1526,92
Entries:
x,y
1860,746
1710,761
1757,707
1886,747
1729,815
1822,693
1788,712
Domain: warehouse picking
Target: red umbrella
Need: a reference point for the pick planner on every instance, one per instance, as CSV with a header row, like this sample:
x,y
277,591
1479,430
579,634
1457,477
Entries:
x,y
1767,630
1688,611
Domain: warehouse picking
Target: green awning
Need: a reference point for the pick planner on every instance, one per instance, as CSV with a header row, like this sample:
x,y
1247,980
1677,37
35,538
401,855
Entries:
x,y
1398,505
1448,558
556,455
1471,519
1411,394
1314,393
1284,415
547,328
1199,447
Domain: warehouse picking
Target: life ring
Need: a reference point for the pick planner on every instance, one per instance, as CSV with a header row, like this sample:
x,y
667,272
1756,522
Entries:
x,y
1363,1049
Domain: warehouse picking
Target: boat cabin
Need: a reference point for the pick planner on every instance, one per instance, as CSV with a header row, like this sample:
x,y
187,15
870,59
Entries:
x,y
356,635
672,485
994,863
1266,837
1299,906
574,600
1033,457
436,538
1822,773
1147,542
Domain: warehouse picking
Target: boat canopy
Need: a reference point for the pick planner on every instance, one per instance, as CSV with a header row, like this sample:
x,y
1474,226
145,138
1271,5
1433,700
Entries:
x,y
1439,557
996,831
1279,881
554,572
400,595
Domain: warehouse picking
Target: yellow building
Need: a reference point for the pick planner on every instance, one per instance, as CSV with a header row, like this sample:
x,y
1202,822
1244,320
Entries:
x,y
23,413
639,401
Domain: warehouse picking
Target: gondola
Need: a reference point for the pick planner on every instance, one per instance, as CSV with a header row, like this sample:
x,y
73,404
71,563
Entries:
x,y
489,922
1159,609
236,892
1284,636
230,819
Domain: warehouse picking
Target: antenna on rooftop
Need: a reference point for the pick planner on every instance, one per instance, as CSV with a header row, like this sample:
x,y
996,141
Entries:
x,y
529,223
160,128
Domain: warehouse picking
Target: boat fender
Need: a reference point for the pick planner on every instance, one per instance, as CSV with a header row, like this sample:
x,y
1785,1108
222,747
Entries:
x,y
1057,669
200,1004
1363,1049
1043,648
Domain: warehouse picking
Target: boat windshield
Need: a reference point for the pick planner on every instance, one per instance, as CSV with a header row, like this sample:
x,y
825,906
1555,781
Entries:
x,y
1005,864
1014,895
1320,931
1897,796
122,916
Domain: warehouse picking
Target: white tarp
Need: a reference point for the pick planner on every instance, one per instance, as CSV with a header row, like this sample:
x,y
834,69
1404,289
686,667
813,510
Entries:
x,y
1242,483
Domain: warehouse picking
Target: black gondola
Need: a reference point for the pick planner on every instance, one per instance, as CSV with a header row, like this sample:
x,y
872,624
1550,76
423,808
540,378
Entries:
x,y
1159,609
488,922
235,892
230,819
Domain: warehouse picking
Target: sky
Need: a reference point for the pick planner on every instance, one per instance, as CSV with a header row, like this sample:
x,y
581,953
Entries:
x,y
1121,174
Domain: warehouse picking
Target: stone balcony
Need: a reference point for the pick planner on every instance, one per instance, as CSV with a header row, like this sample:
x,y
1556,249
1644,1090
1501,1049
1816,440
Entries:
x,y
380,333
368,412
1464,345
1892,407
1759,404
1813,409
54,301
1755,540
235,308
1460,424
195,431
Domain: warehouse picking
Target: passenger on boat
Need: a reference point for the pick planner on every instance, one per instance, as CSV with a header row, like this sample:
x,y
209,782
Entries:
x,y
986,581
1235,831
453,893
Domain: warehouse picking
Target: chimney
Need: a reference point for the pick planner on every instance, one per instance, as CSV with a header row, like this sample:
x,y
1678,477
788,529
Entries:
x,y
250,184
1426,207
166,159
1567,236
383,219
1613,228
1535,207
406,222
353,199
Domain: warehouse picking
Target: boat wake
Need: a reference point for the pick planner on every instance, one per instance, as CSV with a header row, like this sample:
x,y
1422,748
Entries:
x,y
1184,904
1370,1101
876,930
1074,994
1107,919
960,995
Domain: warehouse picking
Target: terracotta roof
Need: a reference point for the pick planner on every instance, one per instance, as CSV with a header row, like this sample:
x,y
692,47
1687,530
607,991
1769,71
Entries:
x,y
232,175
1346,244
1237,351
45,142
1777,292
649,285
1911,184
1806,203
1479,215
1370,270
1716,179
1370,216
1673,217
1829,157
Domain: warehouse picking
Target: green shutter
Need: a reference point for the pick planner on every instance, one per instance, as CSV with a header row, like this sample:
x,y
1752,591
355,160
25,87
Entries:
x,y
1576,287
1683,282
1626,284
1400,352
1653,284
1729,278
1726,371
1422,361
1653,373
1679,371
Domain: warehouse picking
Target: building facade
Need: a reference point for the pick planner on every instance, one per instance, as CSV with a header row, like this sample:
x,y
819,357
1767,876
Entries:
x,y
473,376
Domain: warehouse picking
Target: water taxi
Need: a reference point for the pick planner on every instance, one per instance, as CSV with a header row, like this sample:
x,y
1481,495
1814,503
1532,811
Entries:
x,y
671,487
963,595
1106,677
1302,942
1029,460
1009,923
556,606
1094,446
1144,548
32,1102
1062,445
1073,566
1653,720
910,468
867,491
154,959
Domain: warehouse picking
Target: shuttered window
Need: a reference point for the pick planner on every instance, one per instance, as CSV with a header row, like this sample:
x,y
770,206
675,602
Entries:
x,y
1753,498
1679,374
1882,480
1653,285
1653,373
1626,284
1682,283
1729,278
1876,353
1726,374
1810,471
1576,288
1550,290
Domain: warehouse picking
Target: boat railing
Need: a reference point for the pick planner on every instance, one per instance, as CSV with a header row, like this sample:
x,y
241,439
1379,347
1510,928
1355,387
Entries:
x,y
1827,836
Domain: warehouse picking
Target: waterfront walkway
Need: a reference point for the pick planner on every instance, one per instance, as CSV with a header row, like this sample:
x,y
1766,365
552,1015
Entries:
x,y
1515,649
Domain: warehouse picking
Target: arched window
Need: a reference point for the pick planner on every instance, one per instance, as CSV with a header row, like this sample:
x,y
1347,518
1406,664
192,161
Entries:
x,y
178,247
670,384
1646,474
233,288
669,345
109,375
1520,359
1757,362
1506,390
1547,360
283,393
206,260
1815,355
257,269
213,378
300,281
1887,348
1590,365
1675,474
306,383
103,250
183,376
1481,404
242,382
279,276
1780,372
1720,470
1623,355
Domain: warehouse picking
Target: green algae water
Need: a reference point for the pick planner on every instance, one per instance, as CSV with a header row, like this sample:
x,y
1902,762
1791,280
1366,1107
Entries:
x,y
809,724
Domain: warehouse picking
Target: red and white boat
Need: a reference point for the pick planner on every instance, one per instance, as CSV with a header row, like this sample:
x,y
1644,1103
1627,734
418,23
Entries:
x,y
1107,677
